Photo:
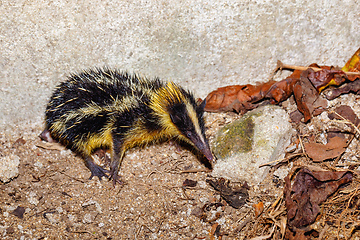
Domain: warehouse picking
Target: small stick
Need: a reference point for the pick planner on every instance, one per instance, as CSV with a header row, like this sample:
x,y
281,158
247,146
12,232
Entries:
x,y
281,65
195,170
281,160
351,138
303,149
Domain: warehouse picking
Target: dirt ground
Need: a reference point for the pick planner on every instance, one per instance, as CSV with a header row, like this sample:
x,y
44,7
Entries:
x,y
60,202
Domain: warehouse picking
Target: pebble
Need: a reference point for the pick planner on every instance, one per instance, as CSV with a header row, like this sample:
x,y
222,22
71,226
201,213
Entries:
x,y
32,198
9,167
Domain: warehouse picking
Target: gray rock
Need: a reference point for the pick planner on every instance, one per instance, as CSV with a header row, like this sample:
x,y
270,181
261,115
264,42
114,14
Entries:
x,y
259,137
9,167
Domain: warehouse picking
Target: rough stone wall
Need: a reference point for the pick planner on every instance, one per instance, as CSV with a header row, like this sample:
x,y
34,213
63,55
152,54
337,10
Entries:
x,y
200,44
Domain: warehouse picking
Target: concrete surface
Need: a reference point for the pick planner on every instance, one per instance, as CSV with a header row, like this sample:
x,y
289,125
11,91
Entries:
x,y
200,44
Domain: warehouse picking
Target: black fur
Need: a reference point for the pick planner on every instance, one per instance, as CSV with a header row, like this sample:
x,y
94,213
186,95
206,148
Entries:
x,y
85,89
82,108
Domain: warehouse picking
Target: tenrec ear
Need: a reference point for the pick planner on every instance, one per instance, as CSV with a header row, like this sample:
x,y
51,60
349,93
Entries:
x,y
202,105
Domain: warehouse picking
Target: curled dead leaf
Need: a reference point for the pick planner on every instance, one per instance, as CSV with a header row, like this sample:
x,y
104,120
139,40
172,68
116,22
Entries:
x,y
320,152
234,196
305,83
259,208
238,98
309,189
353,65
282,90
247,97
308,100
351,87
328,76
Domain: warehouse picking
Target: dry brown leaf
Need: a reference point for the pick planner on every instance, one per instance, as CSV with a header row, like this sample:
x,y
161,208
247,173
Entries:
x,y
214,230
19,212
308,100
309,189
238,98
319,152
305,84
282,90
189,183
259,208
353,87
326,77
353,65
234,196
345,112
247,97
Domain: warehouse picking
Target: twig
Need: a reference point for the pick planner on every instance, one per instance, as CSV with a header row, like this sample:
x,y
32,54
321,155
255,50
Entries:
x,y
243,224
276,206
348,122
351,138
138,231
281,65
141,226
195,170
281,160
79,180
81,232
303,149
153,172
265,236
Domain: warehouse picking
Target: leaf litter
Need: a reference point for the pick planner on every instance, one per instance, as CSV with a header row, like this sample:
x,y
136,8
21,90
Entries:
x,y
307,193
308,190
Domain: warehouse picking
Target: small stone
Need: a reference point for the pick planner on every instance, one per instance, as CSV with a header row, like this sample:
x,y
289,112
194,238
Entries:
x,y
92,202
281,173
32,198
72,218
52,217
88,218
19,212
59,209
9,167
38,164
10,230
175,156
202,184
197,211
